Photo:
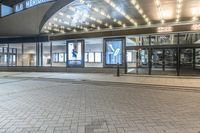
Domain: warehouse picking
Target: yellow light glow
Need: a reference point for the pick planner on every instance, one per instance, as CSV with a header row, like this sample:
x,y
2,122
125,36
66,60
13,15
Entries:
x,y
195,27
164,29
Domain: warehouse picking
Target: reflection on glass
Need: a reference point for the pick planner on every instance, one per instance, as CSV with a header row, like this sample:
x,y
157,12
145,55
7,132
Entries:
x,y
114,52
59,54
46,54
197,57
30,54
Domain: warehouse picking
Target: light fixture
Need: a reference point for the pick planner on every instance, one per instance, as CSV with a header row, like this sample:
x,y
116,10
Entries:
x,y
86,15
178,9
141,12
195,13
159,10
119,10
101,12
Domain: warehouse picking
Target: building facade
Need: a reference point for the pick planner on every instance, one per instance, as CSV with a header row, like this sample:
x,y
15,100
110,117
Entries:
x,y
82,36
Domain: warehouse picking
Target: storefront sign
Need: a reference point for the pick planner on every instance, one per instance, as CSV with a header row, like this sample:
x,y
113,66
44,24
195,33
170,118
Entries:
x,y
196,27
28,4
164,29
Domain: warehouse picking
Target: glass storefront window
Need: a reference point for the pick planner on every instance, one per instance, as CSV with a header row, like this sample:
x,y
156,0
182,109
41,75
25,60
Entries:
x,y
15,54
59,54
3,54
114,51
94,50
197,58
189,38
164,39
140,40
29,57
46,54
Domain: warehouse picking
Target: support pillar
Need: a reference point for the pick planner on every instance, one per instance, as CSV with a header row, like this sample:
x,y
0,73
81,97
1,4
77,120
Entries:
x,y
150,60
137,62
194,59
163,60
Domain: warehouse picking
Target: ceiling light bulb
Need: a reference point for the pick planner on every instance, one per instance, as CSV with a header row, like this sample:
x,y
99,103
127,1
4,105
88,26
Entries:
x,y
134,2
137,7
124,25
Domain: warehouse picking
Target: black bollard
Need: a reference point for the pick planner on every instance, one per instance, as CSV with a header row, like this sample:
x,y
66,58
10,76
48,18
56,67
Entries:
x,y
118,72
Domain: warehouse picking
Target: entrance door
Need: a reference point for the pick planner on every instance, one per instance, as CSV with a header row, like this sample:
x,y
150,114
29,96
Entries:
x,y
137,61
164,61
187,61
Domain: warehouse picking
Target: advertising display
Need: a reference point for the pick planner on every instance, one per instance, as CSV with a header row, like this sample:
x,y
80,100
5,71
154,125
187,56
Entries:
x,y
98,57
129,57
91,57
55,57
75,54
61,57
86,57
28,4
114,52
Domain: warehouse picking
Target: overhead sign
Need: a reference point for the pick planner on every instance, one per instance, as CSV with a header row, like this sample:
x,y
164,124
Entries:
x,y
164,29
28,4
196,27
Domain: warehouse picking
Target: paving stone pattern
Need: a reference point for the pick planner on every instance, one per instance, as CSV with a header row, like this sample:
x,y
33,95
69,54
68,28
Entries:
x,y
58,106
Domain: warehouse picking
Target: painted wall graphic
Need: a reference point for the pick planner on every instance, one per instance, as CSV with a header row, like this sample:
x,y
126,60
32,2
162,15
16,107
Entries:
x,y
114,50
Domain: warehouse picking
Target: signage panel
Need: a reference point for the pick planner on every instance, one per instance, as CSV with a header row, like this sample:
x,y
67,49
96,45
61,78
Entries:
x,y
28,4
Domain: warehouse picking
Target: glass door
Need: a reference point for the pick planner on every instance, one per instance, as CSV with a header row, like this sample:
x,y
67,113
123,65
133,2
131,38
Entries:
x,y
137,61
157,60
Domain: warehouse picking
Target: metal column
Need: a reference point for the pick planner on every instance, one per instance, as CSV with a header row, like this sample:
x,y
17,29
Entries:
x,y
163,60
194,59
178,56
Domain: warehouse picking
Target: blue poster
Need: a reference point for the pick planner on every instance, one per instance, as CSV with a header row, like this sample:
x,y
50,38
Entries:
x,y
75,53
114,52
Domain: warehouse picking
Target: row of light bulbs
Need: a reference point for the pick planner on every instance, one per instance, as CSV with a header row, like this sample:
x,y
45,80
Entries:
x,y
141,12
179,10
101,12
117,8
159,10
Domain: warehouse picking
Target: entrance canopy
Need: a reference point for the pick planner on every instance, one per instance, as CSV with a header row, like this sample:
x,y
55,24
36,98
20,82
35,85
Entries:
x,y
107,15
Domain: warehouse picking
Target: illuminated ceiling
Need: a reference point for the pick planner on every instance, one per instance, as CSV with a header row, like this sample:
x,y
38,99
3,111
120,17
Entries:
x,y
99,15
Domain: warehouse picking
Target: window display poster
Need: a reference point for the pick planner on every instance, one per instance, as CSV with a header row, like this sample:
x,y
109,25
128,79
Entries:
x,y
91,57
129,57
98,57
75,53
55,57
61,57
86,57
114,52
